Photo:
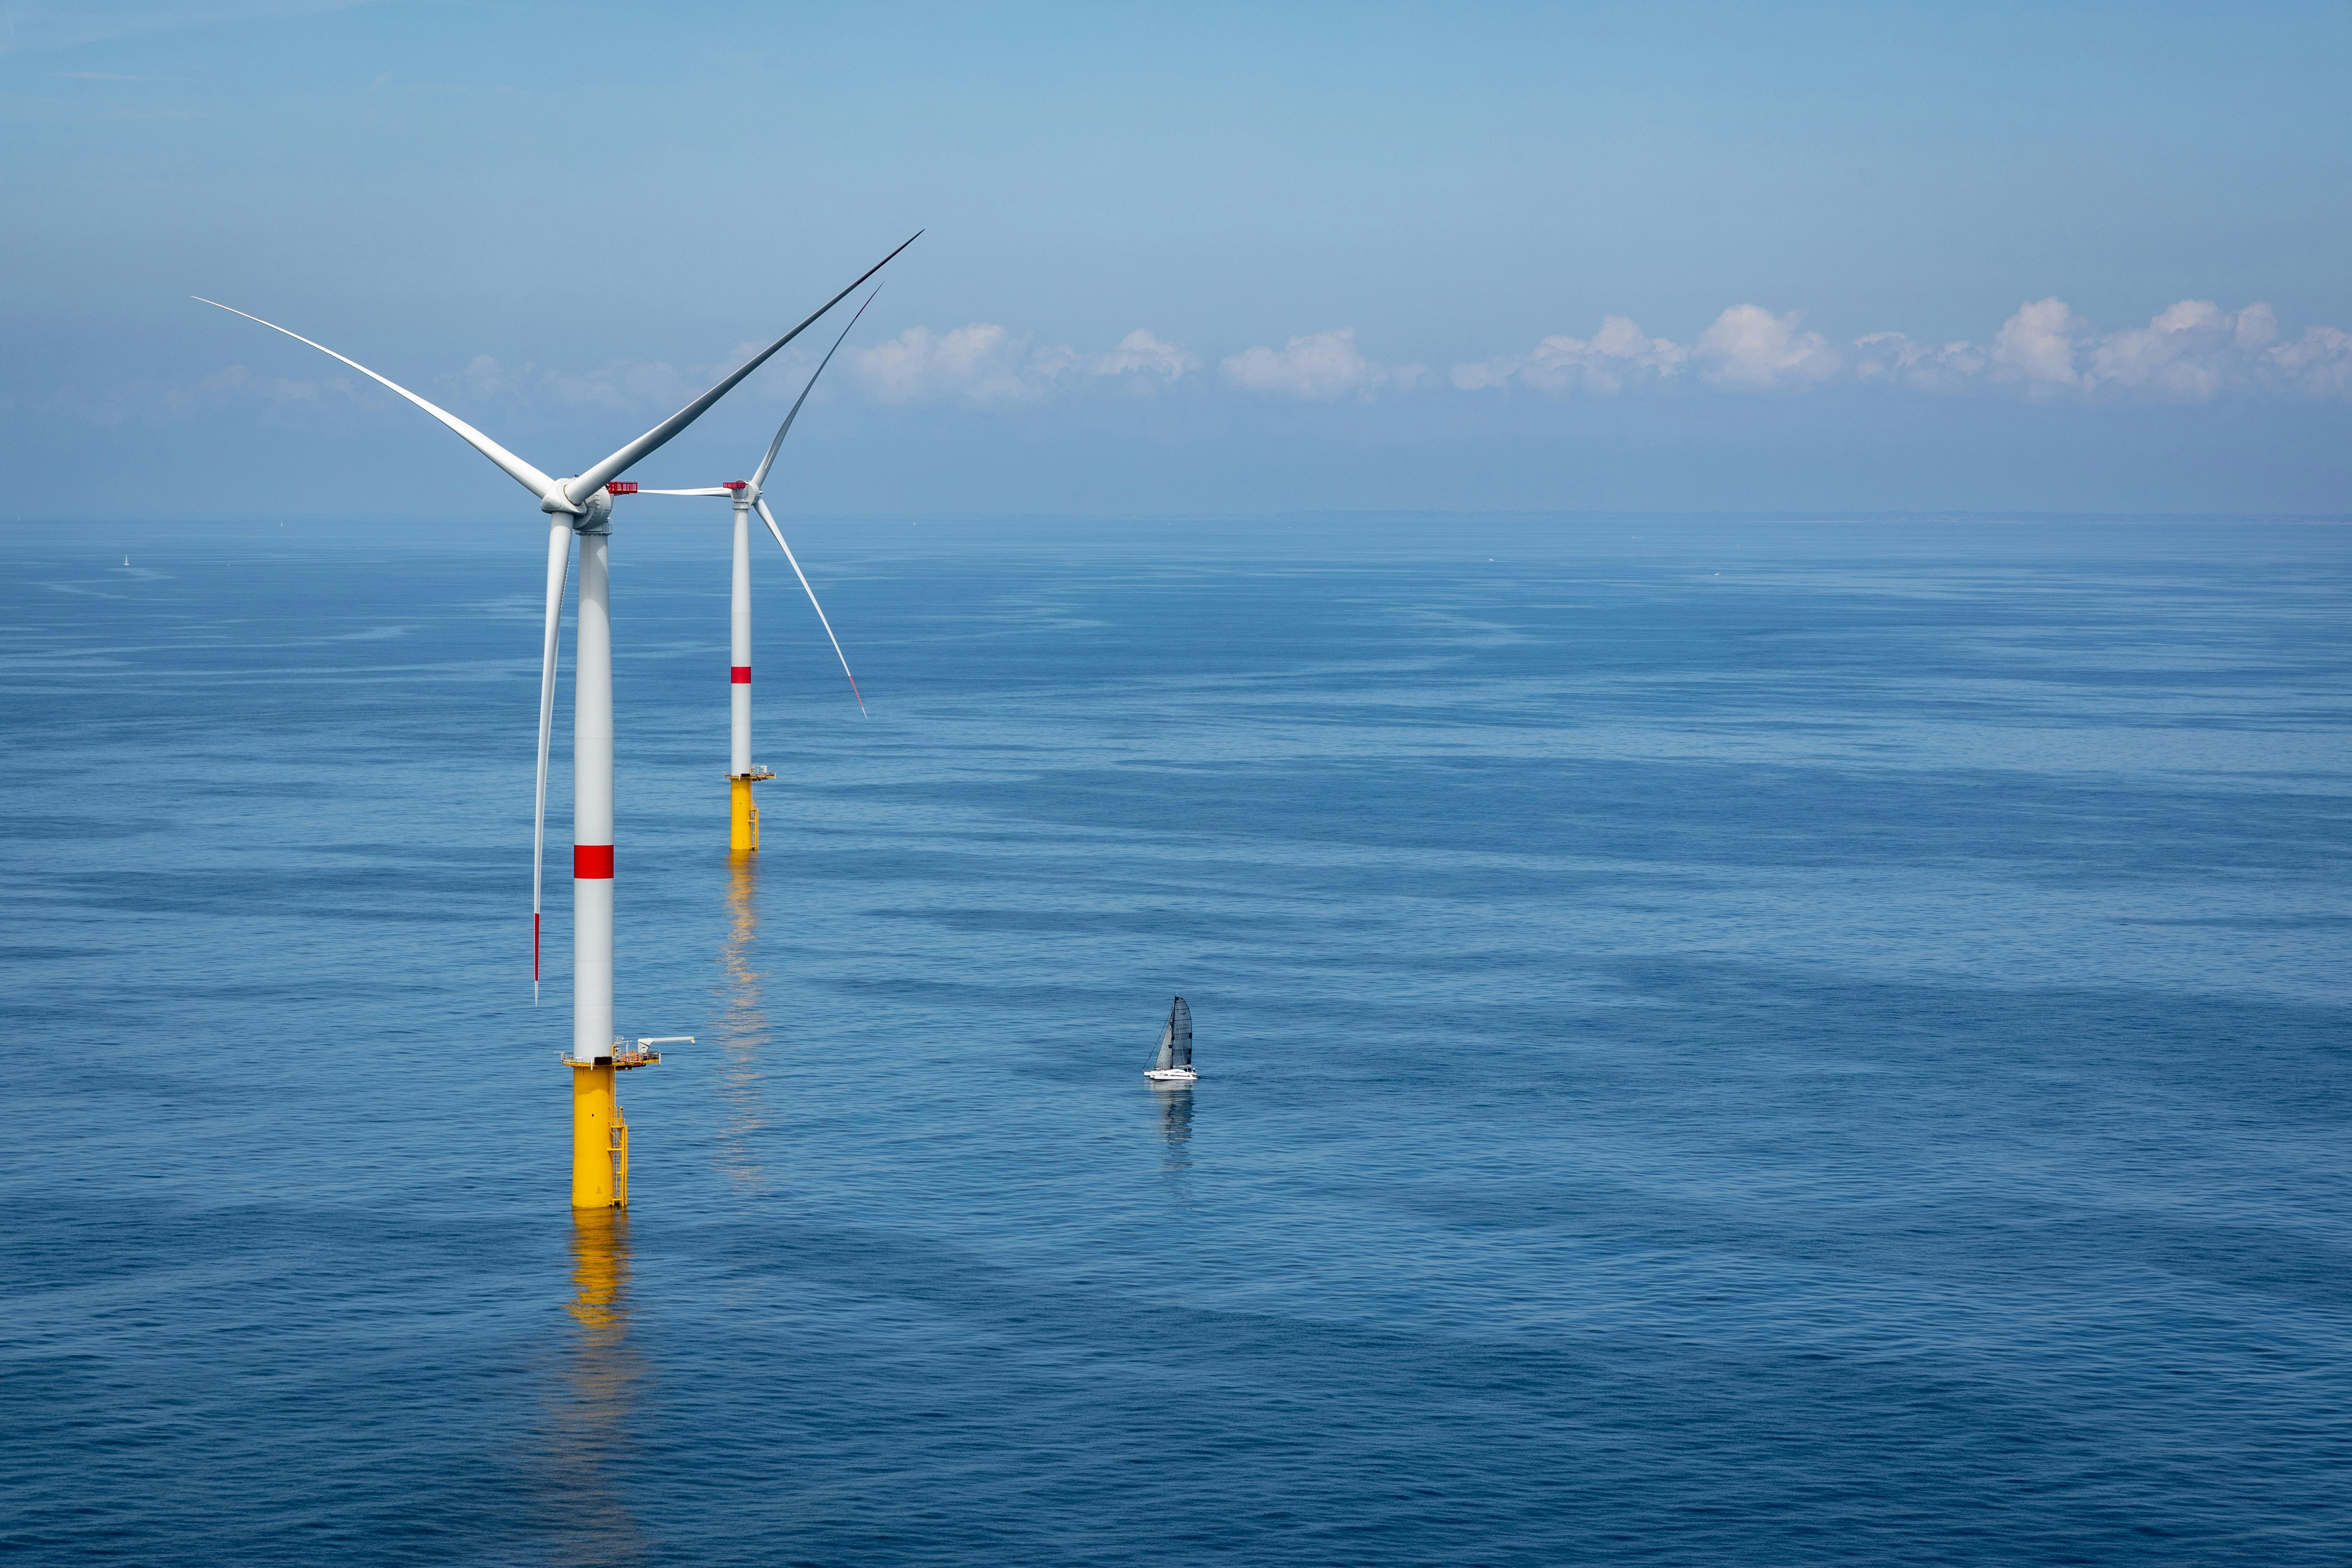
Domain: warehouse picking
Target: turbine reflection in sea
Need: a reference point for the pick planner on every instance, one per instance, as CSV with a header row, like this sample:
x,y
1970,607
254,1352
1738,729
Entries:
x,y
742,1027
597,1402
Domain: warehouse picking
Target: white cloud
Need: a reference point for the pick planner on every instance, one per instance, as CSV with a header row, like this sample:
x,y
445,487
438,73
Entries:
x,y
2257,327
1748,349
1893,359
2036,346
1318,368
2190,352
623,383
238,382
981,365
978,363
2317,364
984,365
2193,352
484,376
1619,353
1141,354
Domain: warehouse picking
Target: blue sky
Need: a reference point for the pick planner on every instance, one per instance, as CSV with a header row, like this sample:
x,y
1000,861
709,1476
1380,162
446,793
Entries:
x,y
1188,260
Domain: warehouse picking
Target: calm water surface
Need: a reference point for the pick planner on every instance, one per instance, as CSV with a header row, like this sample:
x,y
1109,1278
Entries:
x,y
1747,1044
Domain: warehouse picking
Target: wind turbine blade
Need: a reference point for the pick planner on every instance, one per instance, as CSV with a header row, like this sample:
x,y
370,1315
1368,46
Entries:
x,y
710,490
558,566
522,473
785,430
614,467
770,519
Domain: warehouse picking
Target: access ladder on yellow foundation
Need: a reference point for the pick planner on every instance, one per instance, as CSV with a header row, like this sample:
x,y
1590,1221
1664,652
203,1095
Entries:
x,y
600,1134
743,814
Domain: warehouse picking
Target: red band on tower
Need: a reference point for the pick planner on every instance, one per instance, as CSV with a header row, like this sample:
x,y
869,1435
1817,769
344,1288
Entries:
x,y
739,674
591,862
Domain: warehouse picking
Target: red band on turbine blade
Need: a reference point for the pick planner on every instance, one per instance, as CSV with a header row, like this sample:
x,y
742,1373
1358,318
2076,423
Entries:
x,y
534,947
739,674
592,862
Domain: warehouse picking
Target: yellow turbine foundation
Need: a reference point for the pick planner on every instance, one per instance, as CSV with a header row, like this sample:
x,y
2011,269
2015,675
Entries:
x,y
600,1141
744,816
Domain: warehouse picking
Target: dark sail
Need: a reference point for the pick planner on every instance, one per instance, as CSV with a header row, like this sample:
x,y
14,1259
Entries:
x,y
1180,1034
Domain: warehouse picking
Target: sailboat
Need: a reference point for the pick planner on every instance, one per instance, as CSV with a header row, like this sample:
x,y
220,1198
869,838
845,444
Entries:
x,y
1174,1065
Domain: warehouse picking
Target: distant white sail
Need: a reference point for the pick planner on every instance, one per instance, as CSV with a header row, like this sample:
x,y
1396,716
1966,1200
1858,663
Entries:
x,y
1174,1057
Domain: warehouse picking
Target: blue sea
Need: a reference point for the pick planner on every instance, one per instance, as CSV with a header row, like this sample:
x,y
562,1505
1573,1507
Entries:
x,y
1724,1041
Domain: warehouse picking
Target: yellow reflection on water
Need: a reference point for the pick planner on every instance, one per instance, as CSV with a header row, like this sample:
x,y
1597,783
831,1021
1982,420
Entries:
x,y
600,1276
742,1029
591,1439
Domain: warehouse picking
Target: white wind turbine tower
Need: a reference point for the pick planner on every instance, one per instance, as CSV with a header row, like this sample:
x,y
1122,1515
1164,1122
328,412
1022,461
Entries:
x,y
744,829
581,505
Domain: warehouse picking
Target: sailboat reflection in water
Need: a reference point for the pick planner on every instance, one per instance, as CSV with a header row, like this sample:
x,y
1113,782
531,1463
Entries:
x,y
1174,1065
1175,1102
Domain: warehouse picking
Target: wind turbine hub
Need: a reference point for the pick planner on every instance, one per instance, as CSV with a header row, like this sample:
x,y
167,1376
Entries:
x,y
595,514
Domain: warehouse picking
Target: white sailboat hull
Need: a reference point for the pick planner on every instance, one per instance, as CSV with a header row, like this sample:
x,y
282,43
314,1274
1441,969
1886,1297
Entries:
x,y
1171,1075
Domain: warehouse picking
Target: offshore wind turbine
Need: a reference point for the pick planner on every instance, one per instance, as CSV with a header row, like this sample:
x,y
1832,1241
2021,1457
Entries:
x,y
744,816
581,505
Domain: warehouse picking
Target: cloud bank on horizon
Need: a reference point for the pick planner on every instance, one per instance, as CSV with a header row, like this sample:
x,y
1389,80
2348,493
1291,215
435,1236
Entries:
x,y
2193,351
